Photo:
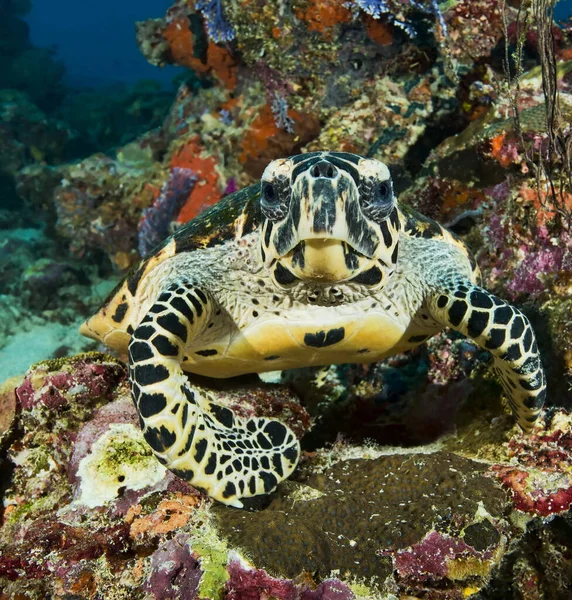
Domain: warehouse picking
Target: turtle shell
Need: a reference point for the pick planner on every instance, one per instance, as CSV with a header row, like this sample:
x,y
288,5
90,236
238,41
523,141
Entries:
x,y
234,216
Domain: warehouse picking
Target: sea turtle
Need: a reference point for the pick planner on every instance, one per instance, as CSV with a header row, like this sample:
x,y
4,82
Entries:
x,y
316,265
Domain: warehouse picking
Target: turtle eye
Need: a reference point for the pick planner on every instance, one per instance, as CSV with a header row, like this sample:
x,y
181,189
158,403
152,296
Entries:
x,y
382,193
377,198
269,195
274,199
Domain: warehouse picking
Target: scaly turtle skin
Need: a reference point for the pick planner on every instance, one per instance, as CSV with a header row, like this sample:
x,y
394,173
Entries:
x,y
317,265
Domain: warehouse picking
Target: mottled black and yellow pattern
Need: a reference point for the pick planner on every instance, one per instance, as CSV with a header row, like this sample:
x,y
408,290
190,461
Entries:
x,y
506,333
316,265
198,440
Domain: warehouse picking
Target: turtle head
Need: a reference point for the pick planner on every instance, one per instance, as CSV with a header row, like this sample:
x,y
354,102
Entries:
x,y
329,217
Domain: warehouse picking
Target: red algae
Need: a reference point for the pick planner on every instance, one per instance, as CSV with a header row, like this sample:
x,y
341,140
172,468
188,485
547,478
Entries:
x,y
540,483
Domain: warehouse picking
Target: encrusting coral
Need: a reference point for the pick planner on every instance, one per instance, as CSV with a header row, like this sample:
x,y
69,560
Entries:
x,y
460,503
87,500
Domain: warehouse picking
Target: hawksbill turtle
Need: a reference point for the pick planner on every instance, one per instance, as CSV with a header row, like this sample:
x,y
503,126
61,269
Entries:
x,y
316,265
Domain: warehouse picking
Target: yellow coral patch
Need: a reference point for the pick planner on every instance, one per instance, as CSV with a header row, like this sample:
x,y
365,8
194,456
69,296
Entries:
x,y
471,566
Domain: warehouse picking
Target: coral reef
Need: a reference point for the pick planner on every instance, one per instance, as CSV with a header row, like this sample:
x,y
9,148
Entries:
x,y
541,478
43,121
256,583
380,527
23,66
28,136
105,118
413,481
89,510
99,203
79,448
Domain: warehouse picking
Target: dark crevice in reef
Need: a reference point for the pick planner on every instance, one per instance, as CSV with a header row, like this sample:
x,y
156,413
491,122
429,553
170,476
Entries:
x,y
436,130
552,358
542,560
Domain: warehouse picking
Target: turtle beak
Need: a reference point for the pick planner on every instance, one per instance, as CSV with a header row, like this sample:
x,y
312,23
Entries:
x,y
320,260
326,261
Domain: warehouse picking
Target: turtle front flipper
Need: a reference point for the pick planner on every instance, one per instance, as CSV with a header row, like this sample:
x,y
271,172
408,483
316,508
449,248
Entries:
x,y
201,442
506,333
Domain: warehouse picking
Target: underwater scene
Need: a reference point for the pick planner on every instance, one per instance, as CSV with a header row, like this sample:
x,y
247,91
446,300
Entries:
x,y
286,300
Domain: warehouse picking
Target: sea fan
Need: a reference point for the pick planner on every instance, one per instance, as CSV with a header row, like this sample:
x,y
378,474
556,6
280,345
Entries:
x,y
155,221
218,28
279,109
377,8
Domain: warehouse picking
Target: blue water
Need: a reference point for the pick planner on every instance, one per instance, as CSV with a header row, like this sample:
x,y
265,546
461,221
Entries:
x,y
96,40
563,10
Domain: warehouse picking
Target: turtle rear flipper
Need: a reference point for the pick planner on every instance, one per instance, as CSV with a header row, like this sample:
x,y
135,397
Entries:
x,y
200,441
506,333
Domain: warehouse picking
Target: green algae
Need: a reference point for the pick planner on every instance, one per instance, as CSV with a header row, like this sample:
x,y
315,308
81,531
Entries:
x,y
68,362
367,592
214,555
31,508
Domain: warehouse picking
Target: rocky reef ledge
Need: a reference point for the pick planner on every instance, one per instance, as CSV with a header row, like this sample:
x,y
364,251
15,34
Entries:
x,y
89,513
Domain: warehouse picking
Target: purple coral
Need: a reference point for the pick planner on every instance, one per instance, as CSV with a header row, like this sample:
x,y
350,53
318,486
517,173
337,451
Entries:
x,y
527,278
175,570
155,221
277,90
534,264
431,558
253,584
231,187
77,381
218,28
273,81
